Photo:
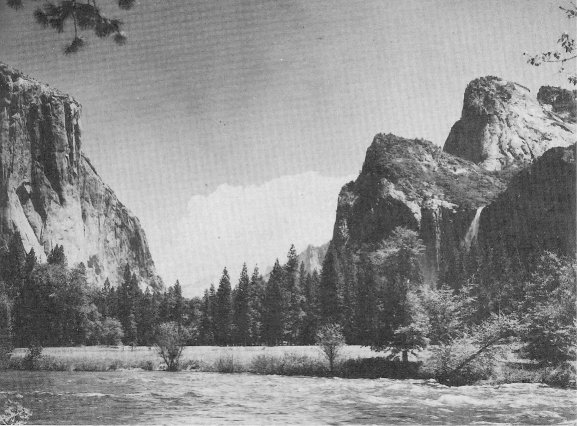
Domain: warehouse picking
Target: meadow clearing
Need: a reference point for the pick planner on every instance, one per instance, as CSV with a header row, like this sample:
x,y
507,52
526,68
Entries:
x,y
201,358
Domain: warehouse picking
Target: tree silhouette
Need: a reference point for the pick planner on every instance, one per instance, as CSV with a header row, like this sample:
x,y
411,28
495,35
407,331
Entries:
x,y
84,15
564,53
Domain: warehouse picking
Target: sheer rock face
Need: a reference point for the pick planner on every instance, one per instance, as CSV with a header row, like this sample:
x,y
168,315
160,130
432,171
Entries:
x,y
312,257
414,184
537,211
503,125
51,194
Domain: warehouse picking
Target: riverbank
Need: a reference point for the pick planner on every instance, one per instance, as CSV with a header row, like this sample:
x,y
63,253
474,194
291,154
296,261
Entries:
x,y
355,362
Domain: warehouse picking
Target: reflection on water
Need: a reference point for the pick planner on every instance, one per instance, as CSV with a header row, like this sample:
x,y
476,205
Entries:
x,y
185,397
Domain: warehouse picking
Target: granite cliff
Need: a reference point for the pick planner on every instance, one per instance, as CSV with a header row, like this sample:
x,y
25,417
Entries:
x,y
504,125
51,194
499,180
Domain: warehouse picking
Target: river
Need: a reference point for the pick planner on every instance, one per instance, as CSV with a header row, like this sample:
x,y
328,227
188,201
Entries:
x,y
124,397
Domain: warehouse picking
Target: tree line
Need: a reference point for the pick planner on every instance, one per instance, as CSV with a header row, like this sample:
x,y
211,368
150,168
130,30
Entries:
x,y
381,300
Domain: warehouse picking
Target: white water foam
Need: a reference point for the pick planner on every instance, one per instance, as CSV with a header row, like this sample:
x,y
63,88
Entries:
x,y
473,230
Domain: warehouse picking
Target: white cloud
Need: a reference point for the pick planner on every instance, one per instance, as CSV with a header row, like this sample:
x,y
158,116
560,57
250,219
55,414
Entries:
x,y
253,224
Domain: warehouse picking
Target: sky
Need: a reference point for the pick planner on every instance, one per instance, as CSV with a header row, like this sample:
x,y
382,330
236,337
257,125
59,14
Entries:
x,y
228,127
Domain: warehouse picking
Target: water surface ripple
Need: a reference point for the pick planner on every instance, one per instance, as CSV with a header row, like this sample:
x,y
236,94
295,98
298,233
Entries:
x,y
125,397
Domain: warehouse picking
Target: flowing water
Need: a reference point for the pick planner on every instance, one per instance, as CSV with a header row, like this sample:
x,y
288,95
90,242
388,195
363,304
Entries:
x,y
473,230
124,397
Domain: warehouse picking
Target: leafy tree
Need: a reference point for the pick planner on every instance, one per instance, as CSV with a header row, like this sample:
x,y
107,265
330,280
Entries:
x,y
472,356
84,16
548,311
330,340
449,313
223,311
565,52
111,332
170,341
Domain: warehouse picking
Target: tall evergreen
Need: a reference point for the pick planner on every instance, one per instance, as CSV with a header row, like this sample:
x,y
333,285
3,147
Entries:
x,y
223,314
330,298
179,307
256,296
241,310
272,326
57,256
292,297
311,306
205,328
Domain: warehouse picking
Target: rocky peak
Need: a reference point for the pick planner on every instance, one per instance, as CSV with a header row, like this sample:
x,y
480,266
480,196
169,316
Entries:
x,y
51,194
562,102
503,125
414,184
312,257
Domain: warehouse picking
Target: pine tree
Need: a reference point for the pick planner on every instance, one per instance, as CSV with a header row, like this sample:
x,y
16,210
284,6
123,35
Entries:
x,y
57,256
256,296
13,264
292,297
84,15
398,260
179,308
330,298
366,312
206,327
241,310
223,317
312,309
272,321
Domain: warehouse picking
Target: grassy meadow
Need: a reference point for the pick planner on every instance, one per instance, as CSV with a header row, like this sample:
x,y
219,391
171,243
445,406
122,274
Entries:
x,y
353,362
201,358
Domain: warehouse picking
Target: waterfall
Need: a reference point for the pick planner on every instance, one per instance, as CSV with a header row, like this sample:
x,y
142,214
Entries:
x,y
473,230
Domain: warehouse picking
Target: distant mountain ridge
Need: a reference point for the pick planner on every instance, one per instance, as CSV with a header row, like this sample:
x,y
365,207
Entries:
x,y
311,257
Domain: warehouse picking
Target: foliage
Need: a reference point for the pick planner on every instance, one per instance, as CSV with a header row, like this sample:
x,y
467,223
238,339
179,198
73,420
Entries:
x,y
84,15
330,340
57,256
170,341
565,51
13,413
472,356
330,298
223,311
401,324
548,311
241,309
446,359
448,313
272,330
32,357
111,332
